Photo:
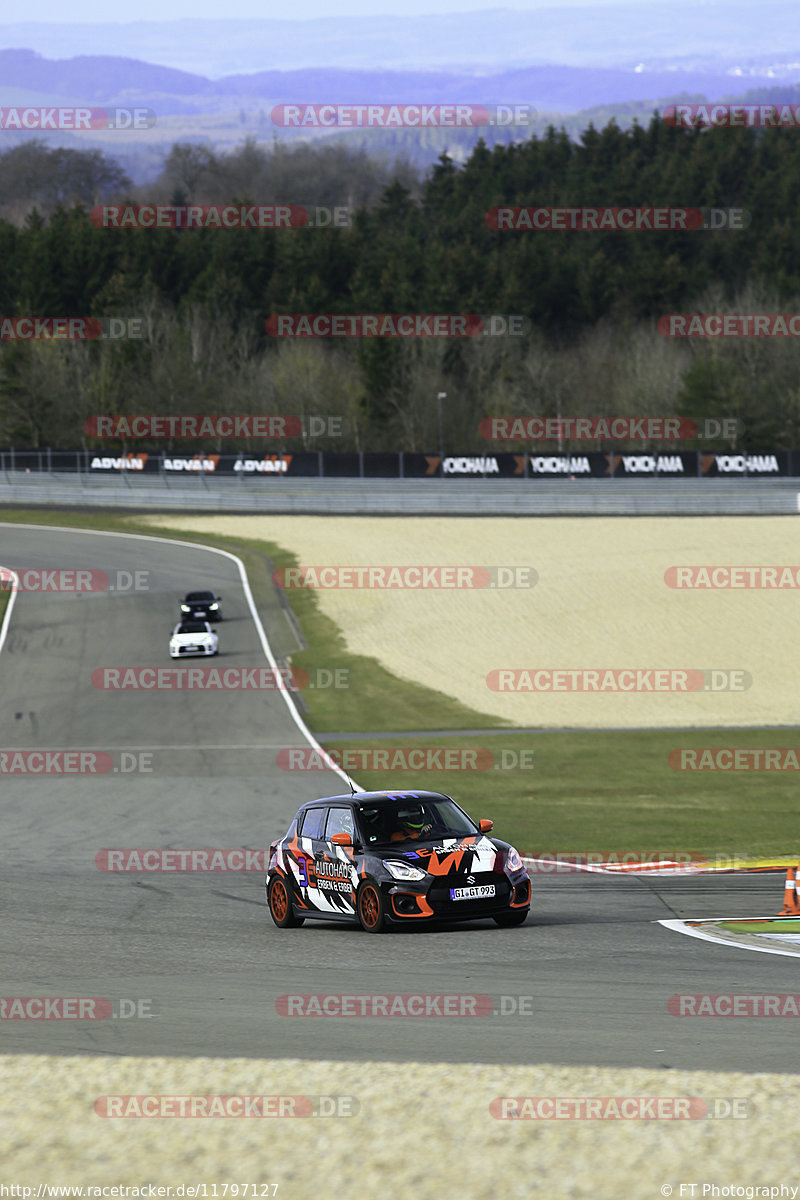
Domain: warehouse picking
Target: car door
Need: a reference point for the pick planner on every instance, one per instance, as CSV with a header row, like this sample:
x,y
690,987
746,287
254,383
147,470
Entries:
x,y
336,870
310,846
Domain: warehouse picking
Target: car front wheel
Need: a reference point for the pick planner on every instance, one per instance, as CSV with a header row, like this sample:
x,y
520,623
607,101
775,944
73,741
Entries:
x,y
370,908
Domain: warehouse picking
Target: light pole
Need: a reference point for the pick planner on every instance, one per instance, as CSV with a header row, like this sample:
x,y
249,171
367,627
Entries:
x,y
440,396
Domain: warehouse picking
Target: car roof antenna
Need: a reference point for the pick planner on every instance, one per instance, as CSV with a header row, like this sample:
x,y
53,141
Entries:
x,y
352,789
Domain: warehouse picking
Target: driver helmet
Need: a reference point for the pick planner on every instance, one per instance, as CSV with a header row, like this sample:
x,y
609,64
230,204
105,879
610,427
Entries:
x,y
414,817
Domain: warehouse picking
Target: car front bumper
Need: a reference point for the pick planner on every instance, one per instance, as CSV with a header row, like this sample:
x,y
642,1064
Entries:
x,y
431,900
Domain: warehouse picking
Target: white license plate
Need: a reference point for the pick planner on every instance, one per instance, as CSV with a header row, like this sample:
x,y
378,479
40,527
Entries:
x,y
188,648
472,893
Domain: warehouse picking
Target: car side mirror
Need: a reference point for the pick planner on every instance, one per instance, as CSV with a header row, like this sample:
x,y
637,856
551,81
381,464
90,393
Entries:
x,y
342,839
485,825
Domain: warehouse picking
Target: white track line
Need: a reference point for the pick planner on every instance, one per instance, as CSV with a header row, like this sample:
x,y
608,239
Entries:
x,y
565,867
682,927
265,646
5,573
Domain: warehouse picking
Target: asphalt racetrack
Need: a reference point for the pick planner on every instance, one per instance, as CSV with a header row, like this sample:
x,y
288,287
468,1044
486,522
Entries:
x,y
592,965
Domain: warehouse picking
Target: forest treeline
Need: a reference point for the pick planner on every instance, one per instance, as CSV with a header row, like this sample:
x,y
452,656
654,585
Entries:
x,y
592,299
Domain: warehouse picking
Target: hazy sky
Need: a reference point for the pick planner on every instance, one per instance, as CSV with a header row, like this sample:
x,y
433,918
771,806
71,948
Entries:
x,y
56,11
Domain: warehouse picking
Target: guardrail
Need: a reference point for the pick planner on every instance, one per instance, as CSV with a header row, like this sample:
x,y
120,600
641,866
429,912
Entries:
x,y
406,497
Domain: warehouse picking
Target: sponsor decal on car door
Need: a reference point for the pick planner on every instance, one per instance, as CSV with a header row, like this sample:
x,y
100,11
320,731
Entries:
x,y
335,866
300,853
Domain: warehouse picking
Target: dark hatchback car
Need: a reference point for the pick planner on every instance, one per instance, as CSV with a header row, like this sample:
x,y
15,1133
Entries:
x,y
201,606
393,858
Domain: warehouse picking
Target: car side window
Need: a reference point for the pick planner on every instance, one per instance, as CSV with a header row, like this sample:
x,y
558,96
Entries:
x,y
313,823
340,820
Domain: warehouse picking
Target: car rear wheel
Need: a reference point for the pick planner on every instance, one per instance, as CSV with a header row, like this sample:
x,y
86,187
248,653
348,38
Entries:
x,y
370,908
507,919
280,904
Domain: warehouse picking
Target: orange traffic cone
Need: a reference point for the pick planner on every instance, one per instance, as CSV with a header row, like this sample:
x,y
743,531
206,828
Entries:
x,y
790,907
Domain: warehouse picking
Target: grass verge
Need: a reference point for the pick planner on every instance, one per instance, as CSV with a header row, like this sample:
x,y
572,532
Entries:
x,y
610,792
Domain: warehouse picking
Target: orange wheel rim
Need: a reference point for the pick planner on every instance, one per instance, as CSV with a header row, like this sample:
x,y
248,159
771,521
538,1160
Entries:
x,y
369,906
280,901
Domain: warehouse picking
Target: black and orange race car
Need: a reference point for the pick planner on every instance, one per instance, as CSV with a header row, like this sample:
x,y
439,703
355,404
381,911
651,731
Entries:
x,y
383,858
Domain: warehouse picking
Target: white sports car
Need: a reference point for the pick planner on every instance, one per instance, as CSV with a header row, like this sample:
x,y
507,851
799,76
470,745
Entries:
x,y
193,637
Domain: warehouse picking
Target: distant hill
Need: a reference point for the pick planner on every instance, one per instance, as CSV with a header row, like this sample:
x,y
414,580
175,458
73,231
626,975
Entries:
x,y
114,80
97,78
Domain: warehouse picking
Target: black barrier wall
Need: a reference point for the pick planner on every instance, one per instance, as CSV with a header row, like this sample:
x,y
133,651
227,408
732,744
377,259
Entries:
x,y
685,464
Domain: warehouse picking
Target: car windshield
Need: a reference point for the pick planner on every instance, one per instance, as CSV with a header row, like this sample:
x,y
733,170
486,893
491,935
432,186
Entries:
x,y
199,597
409,818
192,627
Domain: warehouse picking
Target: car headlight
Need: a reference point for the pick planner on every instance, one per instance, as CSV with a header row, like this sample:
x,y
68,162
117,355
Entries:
x,y
513,860
185,608
401,870
213,606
